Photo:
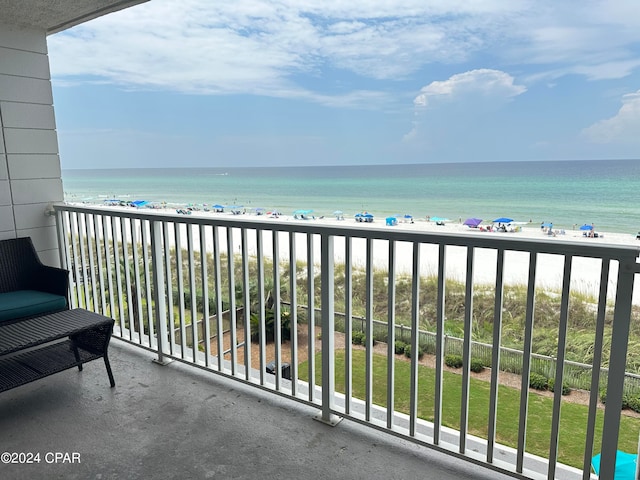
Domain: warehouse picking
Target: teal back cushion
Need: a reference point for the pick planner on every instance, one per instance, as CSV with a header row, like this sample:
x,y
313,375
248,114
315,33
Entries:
x,y
29,303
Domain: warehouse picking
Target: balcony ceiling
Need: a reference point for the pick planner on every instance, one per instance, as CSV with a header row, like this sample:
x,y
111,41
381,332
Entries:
x,y
54,16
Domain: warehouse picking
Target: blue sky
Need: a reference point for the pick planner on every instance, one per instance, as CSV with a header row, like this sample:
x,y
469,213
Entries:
x,y
334,82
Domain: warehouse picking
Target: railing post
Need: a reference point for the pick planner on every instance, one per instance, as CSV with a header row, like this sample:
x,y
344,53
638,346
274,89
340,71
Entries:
x,y
327,272
157,266
617,365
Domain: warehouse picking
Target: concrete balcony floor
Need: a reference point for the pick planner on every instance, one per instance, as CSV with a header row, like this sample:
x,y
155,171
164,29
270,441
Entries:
x,y
177,421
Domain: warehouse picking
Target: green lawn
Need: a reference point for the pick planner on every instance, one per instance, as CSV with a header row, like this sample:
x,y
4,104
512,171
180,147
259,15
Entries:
x,y
573,418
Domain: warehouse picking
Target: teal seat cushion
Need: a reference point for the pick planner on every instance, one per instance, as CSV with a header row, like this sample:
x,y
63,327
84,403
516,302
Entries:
x,y
29,303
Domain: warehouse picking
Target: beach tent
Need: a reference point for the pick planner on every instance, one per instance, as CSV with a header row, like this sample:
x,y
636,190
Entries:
x,y
139,203
625,465
302,214
473,222
235,209
391,221
364,217
503,220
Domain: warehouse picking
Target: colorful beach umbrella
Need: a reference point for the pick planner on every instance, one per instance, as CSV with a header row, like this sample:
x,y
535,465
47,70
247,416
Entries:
x,y
625,465
472,222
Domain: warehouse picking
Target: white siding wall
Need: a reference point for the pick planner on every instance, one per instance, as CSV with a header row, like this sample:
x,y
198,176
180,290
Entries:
x,y
30,176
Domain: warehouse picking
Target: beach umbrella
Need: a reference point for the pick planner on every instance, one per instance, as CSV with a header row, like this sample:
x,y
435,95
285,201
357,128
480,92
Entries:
x,y
302,212
586,227
338,212
472,222
440,219
547,224
625,465
503,220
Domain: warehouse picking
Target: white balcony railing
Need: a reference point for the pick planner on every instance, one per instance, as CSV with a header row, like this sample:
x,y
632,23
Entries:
x,y
146,270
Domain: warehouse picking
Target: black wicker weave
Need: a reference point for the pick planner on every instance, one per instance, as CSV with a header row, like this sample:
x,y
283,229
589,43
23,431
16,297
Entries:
x,y
38,347
21,269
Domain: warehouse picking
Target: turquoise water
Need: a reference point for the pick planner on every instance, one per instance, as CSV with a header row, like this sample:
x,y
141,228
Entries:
x,y
605,193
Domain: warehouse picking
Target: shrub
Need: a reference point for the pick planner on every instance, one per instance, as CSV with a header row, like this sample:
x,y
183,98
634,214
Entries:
x,y
358,338
270,326
407,352
631,401
476,366
453,361
400,347
565,387
538,381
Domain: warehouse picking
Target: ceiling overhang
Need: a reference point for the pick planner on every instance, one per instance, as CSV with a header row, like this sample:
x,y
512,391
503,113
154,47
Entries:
x,y
53,16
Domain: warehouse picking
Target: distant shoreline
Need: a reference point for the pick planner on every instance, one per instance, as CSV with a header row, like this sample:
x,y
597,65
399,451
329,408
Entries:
x,y
564,193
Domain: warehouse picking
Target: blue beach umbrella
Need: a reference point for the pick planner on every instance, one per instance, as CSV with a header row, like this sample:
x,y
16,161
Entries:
x,y
439,219
586,227
625,465
503,220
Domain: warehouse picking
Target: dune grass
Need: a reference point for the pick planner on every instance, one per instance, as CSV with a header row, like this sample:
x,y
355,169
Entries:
x,y
573,418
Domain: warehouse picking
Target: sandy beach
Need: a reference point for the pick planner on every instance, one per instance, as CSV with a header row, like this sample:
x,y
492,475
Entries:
x,y
585,272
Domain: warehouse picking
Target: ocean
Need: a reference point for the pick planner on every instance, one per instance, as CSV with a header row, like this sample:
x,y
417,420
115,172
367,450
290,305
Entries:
x,y
566,193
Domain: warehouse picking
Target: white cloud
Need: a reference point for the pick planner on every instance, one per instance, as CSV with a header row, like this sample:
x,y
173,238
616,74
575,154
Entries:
x,y
621,128
454,104
292,48
490,84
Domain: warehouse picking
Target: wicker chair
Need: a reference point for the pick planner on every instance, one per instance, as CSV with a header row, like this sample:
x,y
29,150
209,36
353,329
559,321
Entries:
x,y
27,287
